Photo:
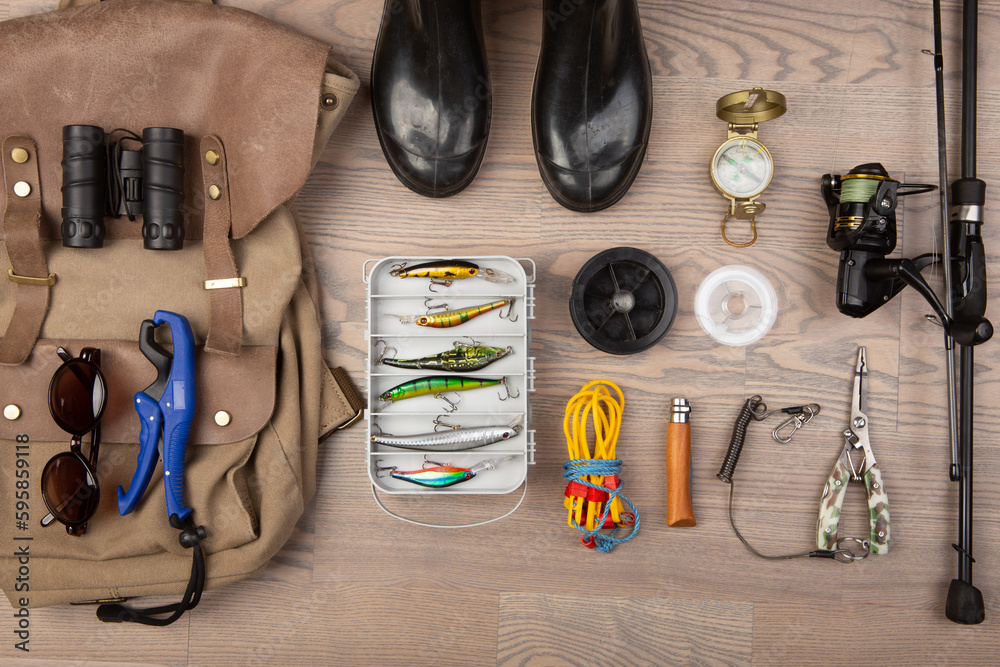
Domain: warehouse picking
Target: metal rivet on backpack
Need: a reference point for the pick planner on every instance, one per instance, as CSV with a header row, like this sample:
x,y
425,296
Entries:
x,y
212,158
330,101
214,191
22,189
11,412
222,418
19,155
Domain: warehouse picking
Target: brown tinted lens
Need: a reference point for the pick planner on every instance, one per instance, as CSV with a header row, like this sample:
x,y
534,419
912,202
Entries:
x,y
76,396
69,490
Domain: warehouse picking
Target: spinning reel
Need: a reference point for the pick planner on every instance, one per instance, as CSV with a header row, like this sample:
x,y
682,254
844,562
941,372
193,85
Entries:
x,y
862,206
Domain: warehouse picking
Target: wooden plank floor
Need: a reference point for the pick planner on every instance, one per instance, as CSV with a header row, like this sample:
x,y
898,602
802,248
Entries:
x,y
354,586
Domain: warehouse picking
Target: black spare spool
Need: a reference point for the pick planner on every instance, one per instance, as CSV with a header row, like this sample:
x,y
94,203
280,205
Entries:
x,y
623,301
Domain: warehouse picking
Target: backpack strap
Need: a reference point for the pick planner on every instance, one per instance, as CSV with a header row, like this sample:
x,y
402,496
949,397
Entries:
x,y
29,270
222,280
340,403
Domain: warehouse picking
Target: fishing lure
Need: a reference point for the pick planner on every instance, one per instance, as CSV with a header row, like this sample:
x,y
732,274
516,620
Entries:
x,y
440,475
438,385
445,272
453,440
452,318
461,358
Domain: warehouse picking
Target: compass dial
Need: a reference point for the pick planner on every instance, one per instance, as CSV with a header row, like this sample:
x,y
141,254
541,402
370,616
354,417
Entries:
x,y
742,168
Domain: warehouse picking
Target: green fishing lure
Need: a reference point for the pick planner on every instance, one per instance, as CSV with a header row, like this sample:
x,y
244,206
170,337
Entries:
x,y
460,359
437,384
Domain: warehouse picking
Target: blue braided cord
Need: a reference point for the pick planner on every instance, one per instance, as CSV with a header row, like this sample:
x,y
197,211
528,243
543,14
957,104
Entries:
x,y
574,471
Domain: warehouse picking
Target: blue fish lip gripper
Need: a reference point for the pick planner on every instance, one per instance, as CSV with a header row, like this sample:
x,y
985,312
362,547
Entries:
x,y
166,410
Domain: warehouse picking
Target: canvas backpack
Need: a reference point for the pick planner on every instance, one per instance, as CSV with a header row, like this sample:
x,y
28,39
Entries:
x,y
257,103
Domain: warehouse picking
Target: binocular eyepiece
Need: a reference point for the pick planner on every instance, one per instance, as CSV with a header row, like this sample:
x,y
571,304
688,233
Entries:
x,y
84,188
101,179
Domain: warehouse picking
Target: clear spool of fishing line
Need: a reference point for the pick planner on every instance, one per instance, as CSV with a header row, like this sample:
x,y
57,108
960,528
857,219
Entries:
x,y
736,305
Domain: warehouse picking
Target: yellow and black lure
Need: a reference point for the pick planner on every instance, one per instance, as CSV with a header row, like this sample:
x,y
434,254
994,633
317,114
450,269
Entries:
x,y
445,272
452,318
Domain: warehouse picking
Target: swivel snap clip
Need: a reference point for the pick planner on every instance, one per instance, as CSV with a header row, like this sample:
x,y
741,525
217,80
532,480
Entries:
x,y
800,416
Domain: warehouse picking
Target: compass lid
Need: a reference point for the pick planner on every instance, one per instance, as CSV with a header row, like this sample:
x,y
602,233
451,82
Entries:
x,y
746,107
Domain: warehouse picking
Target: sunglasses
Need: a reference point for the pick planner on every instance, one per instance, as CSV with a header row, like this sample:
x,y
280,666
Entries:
x,y
77,396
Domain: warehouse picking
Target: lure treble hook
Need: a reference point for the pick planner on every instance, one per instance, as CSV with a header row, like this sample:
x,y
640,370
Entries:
x,y
380,469
509,316
431,306
442,283
503,383
452,405
427,464
381,355
441,425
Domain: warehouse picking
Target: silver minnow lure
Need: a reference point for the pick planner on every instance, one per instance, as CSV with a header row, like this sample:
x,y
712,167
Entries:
x,y
449,441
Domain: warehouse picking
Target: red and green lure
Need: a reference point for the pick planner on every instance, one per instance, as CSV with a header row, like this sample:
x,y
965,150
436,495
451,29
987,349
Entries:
x,y
440,475
452,318
437,384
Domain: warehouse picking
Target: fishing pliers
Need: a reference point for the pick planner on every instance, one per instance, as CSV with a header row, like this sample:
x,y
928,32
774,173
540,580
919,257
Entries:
x,y
848,469
166,410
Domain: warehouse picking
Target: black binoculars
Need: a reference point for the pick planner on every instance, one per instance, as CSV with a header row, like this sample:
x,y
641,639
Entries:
x,y
100,179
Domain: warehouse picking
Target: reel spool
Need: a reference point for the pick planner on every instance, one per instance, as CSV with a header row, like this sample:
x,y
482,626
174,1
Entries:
x,y
623,301
736,305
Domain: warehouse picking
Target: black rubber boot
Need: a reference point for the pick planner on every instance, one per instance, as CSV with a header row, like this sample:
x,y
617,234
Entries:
x,y
431,97
592,103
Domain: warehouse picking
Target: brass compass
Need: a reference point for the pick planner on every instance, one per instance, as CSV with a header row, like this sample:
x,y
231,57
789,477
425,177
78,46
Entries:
x,y
742,166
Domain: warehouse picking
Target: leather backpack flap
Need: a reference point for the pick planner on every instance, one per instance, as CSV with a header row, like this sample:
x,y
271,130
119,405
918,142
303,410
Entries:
x,y
207,70
269,95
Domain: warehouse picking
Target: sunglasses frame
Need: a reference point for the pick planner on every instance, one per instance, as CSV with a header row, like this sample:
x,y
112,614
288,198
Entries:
x,y
92,357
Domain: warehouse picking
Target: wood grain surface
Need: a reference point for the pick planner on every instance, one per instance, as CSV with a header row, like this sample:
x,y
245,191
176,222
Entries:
x,y
354,586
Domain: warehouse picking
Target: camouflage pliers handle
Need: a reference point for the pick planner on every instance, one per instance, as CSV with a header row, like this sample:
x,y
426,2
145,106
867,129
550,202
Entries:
x,y
833,500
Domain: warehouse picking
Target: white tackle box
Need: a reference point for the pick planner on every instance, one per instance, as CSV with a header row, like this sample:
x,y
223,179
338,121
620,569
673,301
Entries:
x,y
390,296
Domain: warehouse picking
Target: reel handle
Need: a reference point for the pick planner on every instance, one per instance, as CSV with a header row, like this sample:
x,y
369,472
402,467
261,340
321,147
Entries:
x,y
971,330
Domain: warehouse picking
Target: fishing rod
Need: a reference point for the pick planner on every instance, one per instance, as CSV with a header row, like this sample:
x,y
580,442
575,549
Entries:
x,y
968,303
945,208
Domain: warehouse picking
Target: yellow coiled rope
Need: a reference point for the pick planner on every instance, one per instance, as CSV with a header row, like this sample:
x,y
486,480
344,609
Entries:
x,y
593,490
